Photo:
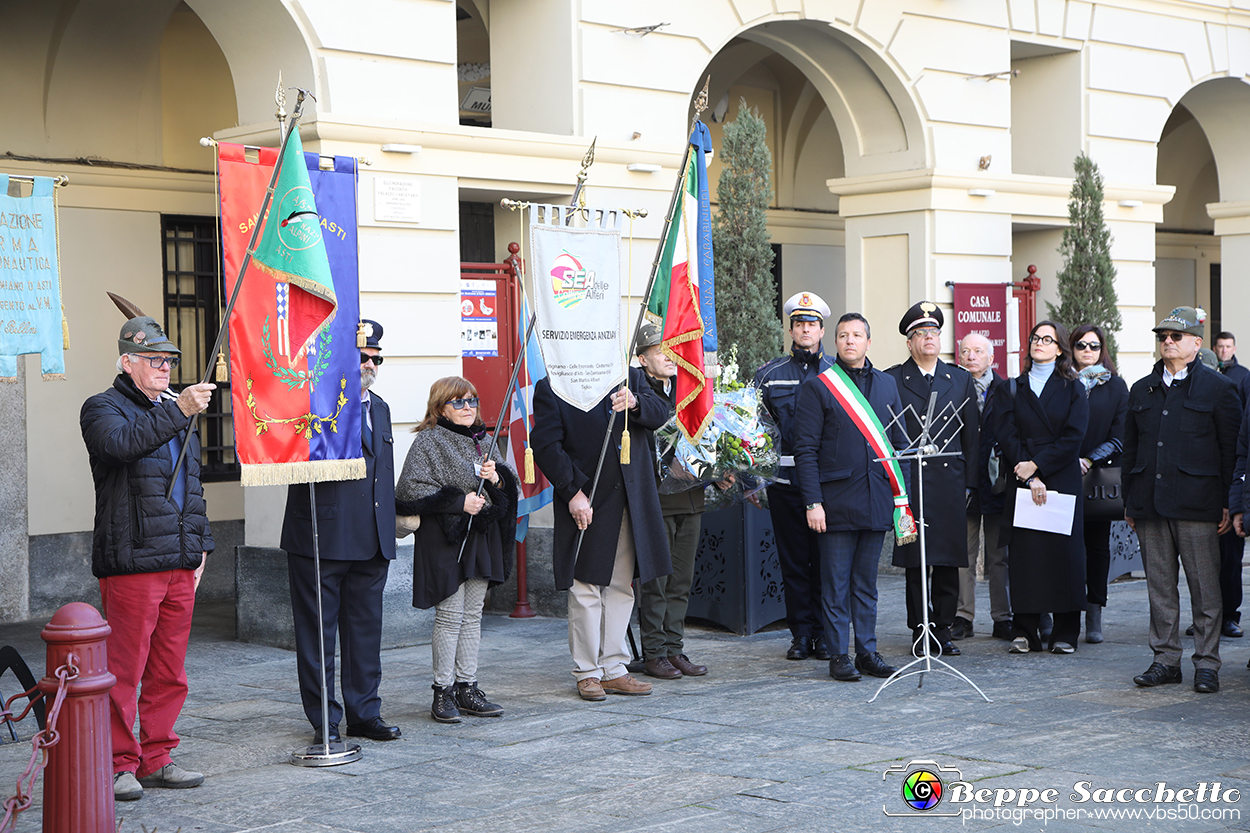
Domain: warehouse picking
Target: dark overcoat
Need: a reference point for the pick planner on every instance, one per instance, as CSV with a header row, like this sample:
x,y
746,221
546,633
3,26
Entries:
x,y
1180,445
1108,413
984,501
1046,570
566,443
836,466
946,479
355,518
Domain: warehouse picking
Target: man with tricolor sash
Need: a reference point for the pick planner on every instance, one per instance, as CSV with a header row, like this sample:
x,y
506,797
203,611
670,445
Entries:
x,y
852,495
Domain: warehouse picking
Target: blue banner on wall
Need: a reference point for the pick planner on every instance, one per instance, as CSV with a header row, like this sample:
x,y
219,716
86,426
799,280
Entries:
x,y
30,281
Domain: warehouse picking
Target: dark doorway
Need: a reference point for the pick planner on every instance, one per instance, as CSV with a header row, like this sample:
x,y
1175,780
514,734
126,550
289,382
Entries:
x,y
477,232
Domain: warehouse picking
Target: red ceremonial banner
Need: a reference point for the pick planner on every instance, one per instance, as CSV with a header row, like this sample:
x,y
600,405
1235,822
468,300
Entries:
x,y
982,308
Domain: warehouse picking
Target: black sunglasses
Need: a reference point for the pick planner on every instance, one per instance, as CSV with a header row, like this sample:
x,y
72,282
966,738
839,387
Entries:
x,y
1087,345
1170,334
366,358
471,401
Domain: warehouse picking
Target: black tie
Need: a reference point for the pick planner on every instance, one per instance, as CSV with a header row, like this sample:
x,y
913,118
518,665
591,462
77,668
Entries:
x,y
366,432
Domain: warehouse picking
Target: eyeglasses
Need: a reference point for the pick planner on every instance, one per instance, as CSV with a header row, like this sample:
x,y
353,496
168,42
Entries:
x,y
365,358
1087,345
457,404
157,362
1170,334
926,332
1047,340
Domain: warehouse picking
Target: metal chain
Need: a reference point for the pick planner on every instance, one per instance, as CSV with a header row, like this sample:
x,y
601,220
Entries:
x,y
40,743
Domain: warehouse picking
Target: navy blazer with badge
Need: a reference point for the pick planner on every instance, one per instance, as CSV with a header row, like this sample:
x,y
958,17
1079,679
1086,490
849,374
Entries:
x,y
836,467
355,518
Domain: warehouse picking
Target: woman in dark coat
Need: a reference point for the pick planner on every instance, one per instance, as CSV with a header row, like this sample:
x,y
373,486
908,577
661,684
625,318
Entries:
x,y
1039,421
439,483
1104,441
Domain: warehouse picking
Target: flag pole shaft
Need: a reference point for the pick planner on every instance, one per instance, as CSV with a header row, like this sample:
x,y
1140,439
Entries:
x,y
238,283
633,341
494,438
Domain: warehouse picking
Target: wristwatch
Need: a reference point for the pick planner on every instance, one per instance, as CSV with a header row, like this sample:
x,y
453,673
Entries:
x,y
812,506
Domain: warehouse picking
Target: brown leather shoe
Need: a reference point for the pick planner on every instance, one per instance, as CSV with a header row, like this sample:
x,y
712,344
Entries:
x,y
626,684
683,664
591,689
660,667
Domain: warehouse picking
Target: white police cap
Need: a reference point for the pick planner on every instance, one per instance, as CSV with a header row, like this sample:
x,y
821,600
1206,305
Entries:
x,y
806,306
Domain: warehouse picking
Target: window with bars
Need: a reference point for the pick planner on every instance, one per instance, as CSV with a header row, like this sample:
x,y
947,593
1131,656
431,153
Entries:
x,y
194,305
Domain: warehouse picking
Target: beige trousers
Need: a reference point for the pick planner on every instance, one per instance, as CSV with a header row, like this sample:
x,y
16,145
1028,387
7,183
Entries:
x,y
599,616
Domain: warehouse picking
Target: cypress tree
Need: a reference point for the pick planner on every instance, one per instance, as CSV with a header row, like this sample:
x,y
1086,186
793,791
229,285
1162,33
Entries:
x,y
745,290
1087,281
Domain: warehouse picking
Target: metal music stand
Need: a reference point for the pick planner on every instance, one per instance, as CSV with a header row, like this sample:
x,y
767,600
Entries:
x,y
921,449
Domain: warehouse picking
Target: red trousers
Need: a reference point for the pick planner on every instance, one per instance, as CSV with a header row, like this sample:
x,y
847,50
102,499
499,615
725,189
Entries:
x,y
150,614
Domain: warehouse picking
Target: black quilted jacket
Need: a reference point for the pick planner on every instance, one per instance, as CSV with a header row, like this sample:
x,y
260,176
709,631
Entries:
x,y
137,530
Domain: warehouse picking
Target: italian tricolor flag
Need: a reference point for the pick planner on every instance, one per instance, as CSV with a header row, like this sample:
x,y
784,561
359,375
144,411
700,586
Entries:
x,y
682,295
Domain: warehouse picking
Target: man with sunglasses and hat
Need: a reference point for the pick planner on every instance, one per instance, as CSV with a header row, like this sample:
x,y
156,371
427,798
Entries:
x,y
778,382
1180,446
148,551
356,544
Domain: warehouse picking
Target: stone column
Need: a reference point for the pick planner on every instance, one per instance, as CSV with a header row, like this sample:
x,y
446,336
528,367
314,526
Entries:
x,y
1232,227
14,527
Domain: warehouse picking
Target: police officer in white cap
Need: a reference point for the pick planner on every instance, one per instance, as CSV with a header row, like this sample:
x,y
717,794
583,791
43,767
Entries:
x,y
778,382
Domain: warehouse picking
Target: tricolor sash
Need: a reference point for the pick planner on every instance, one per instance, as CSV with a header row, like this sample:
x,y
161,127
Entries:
x,y
848,395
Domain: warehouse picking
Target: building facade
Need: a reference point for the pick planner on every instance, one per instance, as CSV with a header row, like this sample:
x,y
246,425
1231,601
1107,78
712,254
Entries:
x,y
915,143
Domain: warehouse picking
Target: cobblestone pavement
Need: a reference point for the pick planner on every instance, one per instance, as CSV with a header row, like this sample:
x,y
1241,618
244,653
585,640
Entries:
x,y
759,744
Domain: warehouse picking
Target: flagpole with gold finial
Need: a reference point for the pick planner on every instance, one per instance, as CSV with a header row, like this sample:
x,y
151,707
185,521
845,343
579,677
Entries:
x,y
247,260
700,104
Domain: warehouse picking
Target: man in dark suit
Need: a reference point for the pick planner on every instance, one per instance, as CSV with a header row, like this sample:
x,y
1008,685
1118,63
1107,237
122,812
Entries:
x,y
1180,447
948,481
985,508
356,542
623,530
1232,545
849,499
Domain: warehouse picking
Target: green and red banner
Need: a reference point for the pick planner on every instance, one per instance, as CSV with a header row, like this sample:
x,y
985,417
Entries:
x,y
294,366
682,300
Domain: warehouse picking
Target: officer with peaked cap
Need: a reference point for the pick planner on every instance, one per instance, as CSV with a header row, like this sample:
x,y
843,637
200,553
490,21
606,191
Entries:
x,y
948,481
778,382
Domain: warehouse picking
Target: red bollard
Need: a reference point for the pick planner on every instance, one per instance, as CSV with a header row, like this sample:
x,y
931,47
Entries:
x,y
78,780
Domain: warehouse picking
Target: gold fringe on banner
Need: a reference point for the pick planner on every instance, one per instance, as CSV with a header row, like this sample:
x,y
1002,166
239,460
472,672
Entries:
x,y
8,380
52,377
223,373
529,465
64,330
316,471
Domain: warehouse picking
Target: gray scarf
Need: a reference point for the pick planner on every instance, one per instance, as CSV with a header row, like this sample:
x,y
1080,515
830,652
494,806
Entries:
x,y
440,458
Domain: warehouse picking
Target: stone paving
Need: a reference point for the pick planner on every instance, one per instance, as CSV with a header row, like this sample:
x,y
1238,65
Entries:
x,y
759,744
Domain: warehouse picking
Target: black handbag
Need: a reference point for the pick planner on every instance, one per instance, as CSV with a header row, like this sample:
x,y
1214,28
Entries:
x,y
1104,496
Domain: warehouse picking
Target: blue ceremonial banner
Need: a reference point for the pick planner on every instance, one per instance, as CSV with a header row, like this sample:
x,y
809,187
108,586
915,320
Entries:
x,y
702,142
335,191
31,320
